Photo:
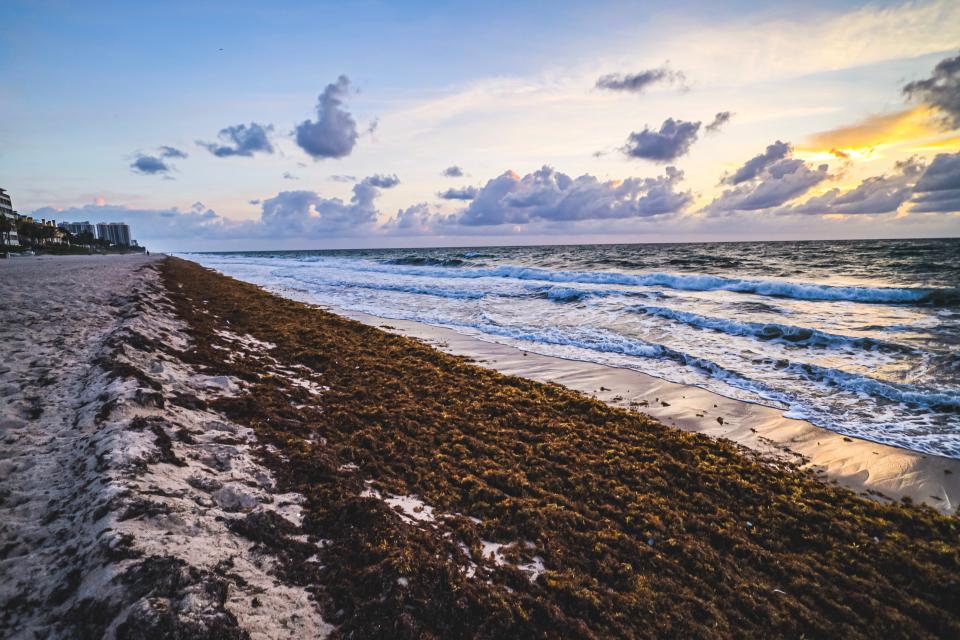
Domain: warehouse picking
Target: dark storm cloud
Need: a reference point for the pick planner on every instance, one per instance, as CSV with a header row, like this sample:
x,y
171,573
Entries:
x,y
548,195
171,152
752,167
453,172
334,133
638,82
241,140
149,165
940,90
671,141
722,118
463,193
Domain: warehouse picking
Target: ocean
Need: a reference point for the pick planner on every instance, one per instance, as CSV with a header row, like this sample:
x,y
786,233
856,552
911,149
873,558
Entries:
x,y
860,337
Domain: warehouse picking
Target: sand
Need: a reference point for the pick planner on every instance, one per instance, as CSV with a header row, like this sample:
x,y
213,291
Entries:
x,y
118,489
455,501
128,503
880,471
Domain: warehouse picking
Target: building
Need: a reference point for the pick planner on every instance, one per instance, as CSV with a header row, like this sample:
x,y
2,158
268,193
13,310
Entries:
x,y
9,236
53,233
6,205
116,233
76,228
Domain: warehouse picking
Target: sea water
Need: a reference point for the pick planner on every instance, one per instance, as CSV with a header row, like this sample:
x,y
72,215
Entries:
x,y
860,337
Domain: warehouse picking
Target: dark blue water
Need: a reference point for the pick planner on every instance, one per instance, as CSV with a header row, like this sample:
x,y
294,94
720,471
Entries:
x,y
862,337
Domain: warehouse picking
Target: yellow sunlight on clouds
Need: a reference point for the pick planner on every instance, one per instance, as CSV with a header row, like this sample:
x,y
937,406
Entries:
x,y
917,126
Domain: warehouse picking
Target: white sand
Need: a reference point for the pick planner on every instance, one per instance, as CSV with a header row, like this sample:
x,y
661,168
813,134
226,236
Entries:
x,y
88,499
860,465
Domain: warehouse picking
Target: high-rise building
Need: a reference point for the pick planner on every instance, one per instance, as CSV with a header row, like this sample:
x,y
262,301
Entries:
x,y
76,228
117,233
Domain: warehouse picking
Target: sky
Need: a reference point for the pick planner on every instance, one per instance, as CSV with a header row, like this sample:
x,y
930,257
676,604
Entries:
x,y
308,125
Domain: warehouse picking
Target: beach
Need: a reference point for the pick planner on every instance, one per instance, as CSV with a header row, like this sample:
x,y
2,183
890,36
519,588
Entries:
x,y
875,470
112,494
187,453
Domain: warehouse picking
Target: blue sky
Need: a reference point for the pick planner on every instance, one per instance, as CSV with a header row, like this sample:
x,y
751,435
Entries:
x,y
502,90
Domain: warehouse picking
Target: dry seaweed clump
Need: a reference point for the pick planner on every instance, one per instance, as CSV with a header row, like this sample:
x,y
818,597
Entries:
x,y
449,501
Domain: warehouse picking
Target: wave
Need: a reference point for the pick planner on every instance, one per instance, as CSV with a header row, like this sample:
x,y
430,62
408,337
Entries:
x,y
749,306
427,290
605,342
424,260
910,396
699,282
570,294
767,332
706,261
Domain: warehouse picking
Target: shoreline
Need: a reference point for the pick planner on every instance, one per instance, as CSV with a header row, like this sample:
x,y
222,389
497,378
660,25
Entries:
x,y
876,470
188,454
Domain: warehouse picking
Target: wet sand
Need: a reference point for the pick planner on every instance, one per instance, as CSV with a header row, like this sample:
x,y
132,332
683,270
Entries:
x,y
880,471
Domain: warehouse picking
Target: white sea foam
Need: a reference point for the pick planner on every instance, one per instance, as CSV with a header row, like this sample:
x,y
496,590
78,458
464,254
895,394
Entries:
x,y
874,358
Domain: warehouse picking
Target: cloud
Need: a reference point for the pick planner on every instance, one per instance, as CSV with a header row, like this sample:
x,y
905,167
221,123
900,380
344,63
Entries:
x,y
382,181
722,118
768,180
146,225
171,152
343,178
149,165
752,167
291,215
941,91
309,214
241,140
414,219
289,176
669,143
874,195
638,82
938,189
876,131
553,196
463,193
453,172
334,134
919,187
